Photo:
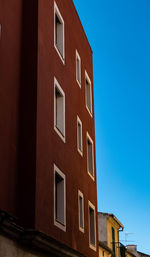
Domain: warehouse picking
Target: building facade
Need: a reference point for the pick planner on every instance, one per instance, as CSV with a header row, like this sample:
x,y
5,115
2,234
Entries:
x,y
132,250
109,242
108,234
47,150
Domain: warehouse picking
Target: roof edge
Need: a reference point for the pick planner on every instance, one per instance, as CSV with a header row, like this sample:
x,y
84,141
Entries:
x,y
114,217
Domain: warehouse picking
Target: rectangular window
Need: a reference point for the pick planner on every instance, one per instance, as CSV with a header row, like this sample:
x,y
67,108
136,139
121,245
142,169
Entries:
x,y
59,199
113,242
78,68
59,110
79,136
90,156
59,33
92,227
81,211
88,93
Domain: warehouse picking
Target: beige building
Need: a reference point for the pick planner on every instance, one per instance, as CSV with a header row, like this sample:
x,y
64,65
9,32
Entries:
x,y
108,233
131,251
104,250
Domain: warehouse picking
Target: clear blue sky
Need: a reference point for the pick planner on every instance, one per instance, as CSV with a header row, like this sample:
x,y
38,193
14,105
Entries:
x,y
119,34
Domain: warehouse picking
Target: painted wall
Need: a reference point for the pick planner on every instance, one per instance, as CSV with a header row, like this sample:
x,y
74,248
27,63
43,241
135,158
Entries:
x,y
10,68
50,148
103,252
18,97
112,223
102,227
29,145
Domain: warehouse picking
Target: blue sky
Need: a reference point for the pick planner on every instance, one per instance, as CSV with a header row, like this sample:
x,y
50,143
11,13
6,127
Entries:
x,y
119,34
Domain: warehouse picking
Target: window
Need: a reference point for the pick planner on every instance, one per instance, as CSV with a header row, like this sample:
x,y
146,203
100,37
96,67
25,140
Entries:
x,y
88,93
59,110
59,199
79,136
81,211
59,33
113,242
90,156
78,68
92,226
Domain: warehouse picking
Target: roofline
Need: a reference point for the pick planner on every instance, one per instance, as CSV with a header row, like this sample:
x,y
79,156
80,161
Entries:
x,y
131,253
145,254
114,217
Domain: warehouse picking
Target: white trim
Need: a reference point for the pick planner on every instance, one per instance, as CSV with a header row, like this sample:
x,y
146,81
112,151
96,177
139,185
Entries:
x,y
57,85
91,141
56,223
90,205
78,57
80,151
80,194
56,11
89,81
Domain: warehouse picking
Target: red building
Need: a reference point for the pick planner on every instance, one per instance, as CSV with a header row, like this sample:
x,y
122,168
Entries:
x,y
47,150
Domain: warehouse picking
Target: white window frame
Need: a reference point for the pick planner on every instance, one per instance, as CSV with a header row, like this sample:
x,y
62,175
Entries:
x,y
56,223
57,12
91,141
80,194
78,57
57,85
80,151
90,205
89,81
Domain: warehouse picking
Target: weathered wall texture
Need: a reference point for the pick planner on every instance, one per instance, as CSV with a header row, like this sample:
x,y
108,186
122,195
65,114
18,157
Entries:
x,y
102,227
9,248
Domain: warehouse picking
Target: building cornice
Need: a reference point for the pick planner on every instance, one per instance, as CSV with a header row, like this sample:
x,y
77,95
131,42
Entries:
x,y
33,239
103,245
